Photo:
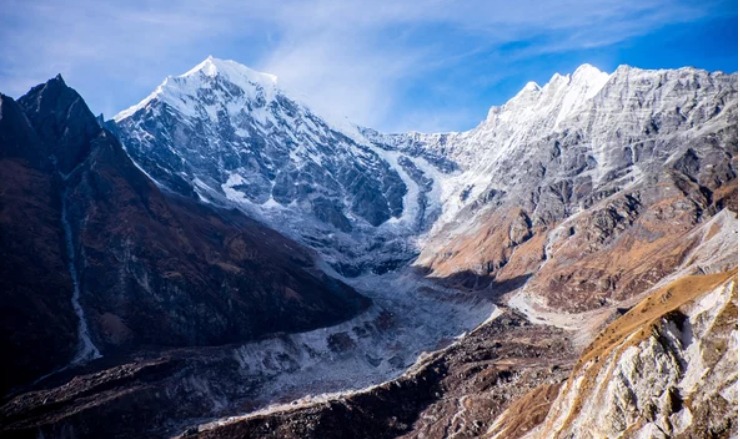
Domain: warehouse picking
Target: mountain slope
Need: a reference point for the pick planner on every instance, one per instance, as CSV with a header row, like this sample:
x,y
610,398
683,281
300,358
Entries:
x,y
503,378
144,267
158,279
568,204
550,154
668,368
35,285
593,189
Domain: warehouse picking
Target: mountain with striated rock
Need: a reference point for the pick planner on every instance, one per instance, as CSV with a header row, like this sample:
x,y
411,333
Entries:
x,y
641,159
583,230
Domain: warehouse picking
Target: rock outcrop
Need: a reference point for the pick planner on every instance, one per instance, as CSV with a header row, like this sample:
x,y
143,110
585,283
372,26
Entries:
x,y
667,368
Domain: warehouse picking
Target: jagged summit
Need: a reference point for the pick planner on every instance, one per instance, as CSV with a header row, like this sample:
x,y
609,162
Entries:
x,y
583,73
563,90
52,105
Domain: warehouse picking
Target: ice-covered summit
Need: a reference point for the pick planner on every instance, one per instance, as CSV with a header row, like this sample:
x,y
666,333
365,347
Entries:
x,y
211,80
234,71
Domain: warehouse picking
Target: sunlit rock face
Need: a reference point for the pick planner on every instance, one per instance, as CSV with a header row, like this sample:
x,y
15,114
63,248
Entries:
x,y
666,369
580,181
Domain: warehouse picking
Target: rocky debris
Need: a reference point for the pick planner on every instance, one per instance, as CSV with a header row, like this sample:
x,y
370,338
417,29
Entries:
x,y
205,383
493,387
456,391
143,395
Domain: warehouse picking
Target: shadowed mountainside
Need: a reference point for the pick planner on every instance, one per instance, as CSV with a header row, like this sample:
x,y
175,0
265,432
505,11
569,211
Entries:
x,y
98,259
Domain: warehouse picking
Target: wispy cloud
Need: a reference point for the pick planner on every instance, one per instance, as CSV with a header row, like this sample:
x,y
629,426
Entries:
x,y
381,63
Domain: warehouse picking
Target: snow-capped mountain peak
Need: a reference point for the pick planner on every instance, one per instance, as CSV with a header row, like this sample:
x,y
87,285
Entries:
x,y
559,97
237,73
589,71
228,134
212,80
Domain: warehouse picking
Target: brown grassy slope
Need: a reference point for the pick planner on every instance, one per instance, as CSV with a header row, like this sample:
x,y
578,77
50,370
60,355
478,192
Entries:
x,y
487,249
596,266
525,413
635,326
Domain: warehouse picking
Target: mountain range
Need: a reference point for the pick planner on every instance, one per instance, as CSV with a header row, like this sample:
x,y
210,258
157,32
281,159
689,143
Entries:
x,y
220,248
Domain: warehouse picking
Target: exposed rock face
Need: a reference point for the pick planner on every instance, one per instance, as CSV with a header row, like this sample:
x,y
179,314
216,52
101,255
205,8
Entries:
x,y
581,181
107,261
668,368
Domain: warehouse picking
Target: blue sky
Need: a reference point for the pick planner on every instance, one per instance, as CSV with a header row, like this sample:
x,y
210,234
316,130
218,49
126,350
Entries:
x,y
393,65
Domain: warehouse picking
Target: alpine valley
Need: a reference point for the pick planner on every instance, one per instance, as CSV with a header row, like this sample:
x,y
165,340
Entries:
x,y
220,261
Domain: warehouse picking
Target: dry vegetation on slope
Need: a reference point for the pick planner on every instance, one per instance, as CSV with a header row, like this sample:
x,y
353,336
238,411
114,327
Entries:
x,y
663,369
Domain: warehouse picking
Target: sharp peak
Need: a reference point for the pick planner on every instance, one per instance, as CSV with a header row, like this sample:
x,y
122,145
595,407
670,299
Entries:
x,y
56,81
212,66
52,86
585,71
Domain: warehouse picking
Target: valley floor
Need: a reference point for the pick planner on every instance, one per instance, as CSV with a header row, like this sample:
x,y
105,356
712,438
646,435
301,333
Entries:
x,y
450,393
